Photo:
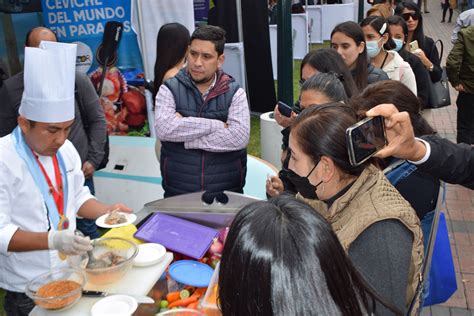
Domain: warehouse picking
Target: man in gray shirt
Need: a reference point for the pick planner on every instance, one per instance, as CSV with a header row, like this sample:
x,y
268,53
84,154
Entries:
x,y
89,143
465,19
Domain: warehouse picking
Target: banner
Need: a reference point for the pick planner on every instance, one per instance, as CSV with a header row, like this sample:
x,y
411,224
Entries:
x,y
83,22
201,10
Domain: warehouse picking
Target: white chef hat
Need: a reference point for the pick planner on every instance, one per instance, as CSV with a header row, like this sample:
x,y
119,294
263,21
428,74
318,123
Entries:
x,y
49,77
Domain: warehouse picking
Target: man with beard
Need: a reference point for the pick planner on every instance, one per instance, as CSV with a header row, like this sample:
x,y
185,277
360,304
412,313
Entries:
x,y
203,122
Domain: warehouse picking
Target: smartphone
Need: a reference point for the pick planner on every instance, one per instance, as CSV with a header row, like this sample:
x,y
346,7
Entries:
x,y
365,138
284,109
414,46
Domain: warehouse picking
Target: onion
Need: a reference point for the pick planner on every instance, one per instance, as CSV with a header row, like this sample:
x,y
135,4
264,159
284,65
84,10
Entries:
x,y
216,248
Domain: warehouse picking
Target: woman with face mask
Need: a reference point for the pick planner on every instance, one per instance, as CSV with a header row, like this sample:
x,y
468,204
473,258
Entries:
x,y
376,226
399,32
348,40
319,89
427,52
379,44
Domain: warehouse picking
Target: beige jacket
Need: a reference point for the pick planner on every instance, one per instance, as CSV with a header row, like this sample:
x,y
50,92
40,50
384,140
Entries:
x,y
369,200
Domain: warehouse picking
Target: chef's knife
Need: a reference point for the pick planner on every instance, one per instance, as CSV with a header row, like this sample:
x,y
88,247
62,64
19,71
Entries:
x,y
141,299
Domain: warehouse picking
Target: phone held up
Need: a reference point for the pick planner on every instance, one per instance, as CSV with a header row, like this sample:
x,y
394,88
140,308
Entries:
x,y
414,46
365,138
284,109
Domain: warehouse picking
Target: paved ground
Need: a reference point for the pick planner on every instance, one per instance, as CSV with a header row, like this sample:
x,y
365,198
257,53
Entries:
x,y
460,201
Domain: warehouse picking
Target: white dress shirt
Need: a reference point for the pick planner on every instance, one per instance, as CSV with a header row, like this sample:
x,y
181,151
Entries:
x,y
22,207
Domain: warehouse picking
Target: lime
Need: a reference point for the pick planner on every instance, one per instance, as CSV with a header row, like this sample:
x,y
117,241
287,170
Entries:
x,y
184,294
164,304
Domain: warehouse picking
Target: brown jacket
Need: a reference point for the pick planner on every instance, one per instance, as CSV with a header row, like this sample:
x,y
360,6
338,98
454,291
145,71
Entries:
x,y
369,200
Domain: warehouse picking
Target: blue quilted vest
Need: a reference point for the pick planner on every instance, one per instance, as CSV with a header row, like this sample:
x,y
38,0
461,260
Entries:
x,y
193,170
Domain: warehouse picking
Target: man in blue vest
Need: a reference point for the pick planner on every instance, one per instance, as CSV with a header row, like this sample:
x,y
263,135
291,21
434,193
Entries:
x,y
203,121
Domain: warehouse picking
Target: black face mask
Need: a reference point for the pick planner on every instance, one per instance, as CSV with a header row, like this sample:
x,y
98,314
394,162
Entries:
x,y
302,184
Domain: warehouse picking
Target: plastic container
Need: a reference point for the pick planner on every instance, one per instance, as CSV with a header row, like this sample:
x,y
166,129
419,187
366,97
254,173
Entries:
x,y
188,272
208,304
56,283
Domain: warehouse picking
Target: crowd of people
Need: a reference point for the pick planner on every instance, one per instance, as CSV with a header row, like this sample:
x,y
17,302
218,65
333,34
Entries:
x,y
333,238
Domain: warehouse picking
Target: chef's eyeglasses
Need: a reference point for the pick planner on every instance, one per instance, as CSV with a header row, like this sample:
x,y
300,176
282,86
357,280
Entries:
x,y
414,15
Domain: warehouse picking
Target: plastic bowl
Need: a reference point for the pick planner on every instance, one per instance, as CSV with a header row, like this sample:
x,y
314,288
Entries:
x,y
117,246
50,290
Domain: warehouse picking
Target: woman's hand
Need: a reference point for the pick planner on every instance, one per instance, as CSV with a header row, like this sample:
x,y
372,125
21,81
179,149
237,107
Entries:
x,y
421,55
282,120
274,186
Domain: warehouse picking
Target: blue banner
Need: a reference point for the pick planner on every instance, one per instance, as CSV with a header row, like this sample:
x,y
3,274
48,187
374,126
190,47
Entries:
x,y
84,21
201,10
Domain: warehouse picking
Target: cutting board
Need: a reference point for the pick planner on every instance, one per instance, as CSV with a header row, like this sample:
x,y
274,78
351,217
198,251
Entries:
x,y
137,281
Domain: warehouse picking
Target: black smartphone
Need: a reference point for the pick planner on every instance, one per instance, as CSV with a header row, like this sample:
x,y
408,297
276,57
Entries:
x,y
284,109
365,138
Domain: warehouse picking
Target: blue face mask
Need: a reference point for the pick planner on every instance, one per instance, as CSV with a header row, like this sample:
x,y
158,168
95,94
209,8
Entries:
x,y
373,48
398,44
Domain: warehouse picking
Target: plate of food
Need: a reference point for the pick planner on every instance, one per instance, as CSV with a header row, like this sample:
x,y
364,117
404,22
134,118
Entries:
x,y
115,219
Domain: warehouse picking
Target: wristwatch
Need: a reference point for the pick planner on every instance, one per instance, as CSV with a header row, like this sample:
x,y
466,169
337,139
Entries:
x,y
431,67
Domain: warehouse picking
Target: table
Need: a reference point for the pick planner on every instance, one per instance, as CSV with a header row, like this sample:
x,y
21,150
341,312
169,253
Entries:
x,y
137,281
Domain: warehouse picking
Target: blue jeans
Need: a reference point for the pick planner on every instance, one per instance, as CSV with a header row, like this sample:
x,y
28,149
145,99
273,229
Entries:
x,y
87,226
17,304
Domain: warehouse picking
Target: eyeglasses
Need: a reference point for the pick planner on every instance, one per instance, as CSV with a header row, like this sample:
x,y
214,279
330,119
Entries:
x,y
406,16
301,82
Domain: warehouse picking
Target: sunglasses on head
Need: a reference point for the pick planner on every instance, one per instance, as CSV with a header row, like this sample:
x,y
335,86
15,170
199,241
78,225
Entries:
x,y
406,16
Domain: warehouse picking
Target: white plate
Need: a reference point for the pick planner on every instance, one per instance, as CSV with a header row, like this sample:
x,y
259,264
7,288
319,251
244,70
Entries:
x,y
149,254
101,220
115,305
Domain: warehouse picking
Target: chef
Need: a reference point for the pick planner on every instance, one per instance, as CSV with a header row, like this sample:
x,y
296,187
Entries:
x,y
41,181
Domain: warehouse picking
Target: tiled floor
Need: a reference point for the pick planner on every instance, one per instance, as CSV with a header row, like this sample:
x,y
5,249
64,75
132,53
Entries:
x,y
460,201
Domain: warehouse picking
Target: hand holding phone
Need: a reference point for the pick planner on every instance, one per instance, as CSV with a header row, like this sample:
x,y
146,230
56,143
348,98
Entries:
x,y
284,109
365,138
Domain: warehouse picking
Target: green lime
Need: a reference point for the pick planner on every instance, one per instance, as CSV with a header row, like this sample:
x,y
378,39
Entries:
x,y
184,294
164,304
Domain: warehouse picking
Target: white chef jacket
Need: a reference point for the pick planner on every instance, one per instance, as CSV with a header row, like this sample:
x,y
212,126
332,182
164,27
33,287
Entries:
x,y
22,207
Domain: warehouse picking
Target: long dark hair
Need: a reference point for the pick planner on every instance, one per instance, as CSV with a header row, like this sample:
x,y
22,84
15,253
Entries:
x,y
418,33
396,93
377,23
328,60
171,45
354,31
283,258
330,84
321,131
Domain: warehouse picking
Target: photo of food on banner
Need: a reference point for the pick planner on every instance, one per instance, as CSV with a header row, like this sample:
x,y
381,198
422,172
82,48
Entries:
x,y
123,100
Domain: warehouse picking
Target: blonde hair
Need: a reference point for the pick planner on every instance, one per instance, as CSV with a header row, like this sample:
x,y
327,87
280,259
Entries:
x,y
381,9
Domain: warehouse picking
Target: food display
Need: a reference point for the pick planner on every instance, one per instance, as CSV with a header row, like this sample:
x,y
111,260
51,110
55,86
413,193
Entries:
x,y
59,294
115,217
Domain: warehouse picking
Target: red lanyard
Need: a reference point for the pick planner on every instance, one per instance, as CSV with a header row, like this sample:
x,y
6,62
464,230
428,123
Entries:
x,y
59,194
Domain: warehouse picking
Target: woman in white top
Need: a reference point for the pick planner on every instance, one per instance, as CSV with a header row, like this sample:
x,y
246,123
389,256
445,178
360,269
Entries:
x,y
379,43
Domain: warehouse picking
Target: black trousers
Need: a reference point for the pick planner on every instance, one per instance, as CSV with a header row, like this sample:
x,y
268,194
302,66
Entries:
x,y
18,304
465,103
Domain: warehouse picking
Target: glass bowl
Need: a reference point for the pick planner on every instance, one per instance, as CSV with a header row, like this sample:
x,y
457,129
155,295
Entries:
x,y
181,312
56,290
108,261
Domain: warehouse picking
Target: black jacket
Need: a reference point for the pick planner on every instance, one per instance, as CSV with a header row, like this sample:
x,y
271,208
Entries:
x,y
422,76
432,54
453,163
